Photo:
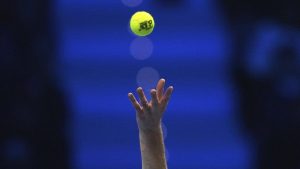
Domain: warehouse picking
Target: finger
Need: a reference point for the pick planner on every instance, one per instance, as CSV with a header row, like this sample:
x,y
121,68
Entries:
x,y
134,102
167,96
142,97
154,97
160,88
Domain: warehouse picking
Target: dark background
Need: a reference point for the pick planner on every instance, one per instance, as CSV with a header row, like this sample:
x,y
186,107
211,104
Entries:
x,y
67,66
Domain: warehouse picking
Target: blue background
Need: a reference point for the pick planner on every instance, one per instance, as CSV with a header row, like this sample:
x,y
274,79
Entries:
x,y
67,67
191,51
192,48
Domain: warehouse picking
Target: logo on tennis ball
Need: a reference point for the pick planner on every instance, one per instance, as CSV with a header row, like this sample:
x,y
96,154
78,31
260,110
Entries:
x,y
142,23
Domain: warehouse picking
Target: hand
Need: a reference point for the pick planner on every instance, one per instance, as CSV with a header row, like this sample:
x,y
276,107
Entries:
x,y
149,114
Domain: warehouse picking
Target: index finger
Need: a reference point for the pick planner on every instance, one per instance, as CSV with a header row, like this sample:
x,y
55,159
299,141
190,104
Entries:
x,y
143,98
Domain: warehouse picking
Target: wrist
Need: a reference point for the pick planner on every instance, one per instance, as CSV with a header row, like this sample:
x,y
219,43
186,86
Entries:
x,y
151,131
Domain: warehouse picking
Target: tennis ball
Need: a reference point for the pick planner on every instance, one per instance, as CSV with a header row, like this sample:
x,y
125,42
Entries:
x,y
142,23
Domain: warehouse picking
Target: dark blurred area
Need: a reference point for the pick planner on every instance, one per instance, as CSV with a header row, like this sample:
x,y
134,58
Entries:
x,y
268,84
33,108
169,3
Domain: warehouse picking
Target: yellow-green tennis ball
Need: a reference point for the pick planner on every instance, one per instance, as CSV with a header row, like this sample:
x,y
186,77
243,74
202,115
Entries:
x,y
142,23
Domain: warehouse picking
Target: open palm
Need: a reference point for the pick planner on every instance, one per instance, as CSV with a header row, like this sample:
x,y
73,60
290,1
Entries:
x,y
149,114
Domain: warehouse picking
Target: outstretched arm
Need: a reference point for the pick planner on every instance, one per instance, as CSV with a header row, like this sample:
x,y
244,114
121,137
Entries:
x,y
149,115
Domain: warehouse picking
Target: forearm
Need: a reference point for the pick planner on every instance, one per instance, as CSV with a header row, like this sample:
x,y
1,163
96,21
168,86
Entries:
x,y
152,149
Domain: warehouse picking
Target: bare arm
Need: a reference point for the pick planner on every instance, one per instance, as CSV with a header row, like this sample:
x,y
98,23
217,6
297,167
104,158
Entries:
x,y
149,115
152,150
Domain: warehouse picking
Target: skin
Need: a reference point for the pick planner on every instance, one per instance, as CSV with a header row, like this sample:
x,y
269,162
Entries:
x,y
149,115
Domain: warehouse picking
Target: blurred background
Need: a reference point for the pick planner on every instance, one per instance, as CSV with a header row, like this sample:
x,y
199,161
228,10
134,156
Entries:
x,y
66,68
